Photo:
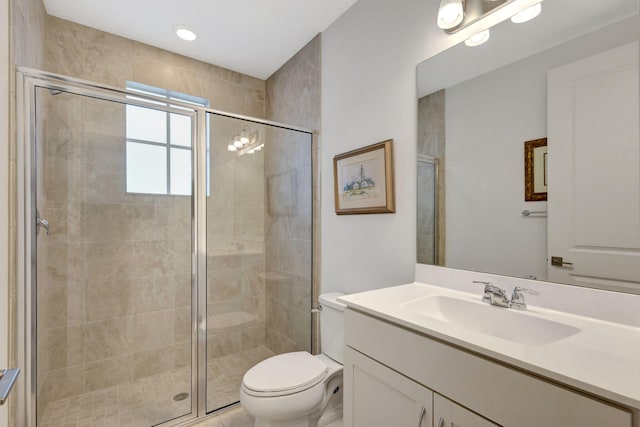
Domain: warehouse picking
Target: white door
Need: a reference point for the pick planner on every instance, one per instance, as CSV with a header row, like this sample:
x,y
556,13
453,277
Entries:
x,y
594,171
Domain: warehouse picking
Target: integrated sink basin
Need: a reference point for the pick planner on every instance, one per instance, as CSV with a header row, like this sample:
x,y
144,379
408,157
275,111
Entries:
x,y
507,324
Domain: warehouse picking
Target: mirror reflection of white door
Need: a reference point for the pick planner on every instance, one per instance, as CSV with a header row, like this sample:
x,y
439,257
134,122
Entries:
x,y
594,171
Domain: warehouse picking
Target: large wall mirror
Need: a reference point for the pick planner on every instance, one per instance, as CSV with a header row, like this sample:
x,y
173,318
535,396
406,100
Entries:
x,y
570,76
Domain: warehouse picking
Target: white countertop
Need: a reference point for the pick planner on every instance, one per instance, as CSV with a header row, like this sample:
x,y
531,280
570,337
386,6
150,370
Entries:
x,y
602,359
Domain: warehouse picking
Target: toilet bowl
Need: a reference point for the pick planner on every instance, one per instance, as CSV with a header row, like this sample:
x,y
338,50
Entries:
x,y
298,389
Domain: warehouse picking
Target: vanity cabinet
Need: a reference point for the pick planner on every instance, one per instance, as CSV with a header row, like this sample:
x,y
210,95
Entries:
x,y
392,372
383,397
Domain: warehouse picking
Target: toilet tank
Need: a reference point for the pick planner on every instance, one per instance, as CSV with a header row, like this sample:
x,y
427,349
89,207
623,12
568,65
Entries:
x,y
332,326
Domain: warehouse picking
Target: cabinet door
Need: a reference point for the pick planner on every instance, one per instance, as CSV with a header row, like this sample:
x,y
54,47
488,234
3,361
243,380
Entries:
x,y
376,396
449,414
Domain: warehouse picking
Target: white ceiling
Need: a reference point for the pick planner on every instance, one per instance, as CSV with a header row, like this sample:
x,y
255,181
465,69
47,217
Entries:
x,y
253,37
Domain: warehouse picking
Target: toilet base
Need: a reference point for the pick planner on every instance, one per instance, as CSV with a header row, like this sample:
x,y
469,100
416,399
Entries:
x,y
300,422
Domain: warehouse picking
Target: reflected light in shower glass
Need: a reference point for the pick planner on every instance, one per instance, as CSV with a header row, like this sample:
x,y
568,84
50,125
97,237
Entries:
x,y
146,168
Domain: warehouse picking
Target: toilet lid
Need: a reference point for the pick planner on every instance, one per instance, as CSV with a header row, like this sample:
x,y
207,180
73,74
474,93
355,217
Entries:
x,y
283,372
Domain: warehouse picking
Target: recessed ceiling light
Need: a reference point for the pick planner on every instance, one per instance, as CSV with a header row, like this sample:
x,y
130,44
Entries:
x,y
185,33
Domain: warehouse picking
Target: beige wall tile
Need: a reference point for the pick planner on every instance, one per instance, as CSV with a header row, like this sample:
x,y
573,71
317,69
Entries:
x,y
65,305
63,383
183,288
182,324
63,51
108,299
109,372
109,338
153,330
153,293
107,222
153,362
65,346
109,261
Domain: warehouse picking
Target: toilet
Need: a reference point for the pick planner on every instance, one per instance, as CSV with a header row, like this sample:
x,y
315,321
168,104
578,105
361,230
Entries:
x,y
298,389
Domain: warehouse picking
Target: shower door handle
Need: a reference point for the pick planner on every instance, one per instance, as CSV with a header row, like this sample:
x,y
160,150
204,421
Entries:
x,y
7,380
41,222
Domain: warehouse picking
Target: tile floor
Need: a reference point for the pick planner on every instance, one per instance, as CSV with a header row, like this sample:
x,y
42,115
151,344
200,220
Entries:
x,y
149,401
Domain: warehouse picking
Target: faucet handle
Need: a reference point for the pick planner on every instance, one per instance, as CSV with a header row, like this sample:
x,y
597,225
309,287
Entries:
x,y
519,289
493,294
517,299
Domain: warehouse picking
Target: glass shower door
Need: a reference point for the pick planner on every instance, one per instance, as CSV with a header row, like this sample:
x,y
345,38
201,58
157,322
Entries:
x,y
114,281
259,250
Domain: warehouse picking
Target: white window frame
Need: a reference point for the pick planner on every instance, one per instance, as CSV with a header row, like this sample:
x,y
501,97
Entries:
x,y
169,95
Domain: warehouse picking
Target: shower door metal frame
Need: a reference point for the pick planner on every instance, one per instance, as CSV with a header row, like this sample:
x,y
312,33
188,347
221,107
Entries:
x,y
27,81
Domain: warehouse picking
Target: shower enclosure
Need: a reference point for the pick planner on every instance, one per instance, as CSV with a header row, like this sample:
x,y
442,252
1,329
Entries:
x,y
427,210
165,248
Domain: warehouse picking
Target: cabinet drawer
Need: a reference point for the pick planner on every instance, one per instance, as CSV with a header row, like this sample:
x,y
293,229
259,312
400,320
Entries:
x,y
502,394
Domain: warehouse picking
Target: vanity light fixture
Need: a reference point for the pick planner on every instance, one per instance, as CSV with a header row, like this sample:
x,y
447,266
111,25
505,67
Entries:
x,y
450,14
185,33
246,142
472,19
478,39
527,14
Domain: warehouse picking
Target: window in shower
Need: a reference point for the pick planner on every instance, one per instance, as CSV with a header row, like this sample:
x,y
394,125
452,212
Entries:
x,y
158,153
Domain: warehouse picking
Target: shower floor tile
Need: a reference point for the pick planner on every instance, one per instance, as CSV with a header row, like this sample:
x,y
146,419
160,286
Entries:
x,y
149,401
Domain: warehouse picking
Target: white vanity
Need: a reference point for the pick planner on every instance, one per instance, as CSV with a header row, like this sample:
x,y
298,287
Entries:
x,y
431,353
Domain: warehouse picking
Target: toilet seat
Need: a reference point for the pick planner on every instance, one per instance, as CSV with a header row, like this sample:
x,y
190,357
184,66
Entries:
x,y
284,374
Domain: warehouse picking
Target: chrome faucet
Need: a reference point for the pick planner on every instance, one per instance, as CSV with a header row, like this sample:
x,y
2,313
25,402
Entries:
x,y
495,295
517,299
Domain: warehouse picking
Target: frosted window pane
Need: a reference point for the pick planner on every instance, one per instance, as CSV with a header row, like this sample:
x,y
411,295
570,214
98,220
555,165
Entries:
x,y
180,172
146,124
180,130
146,168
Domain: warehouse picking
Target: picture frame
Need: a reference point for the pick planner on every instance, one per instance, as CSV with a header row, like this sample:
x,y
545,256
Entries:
x,y
363,180
535,170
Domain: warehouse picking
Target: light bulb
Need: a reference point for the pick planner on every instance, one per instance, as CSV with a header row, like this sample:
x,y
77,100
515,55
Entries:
x,y
237,142
232,147
528,14
450,14
244,138
478,39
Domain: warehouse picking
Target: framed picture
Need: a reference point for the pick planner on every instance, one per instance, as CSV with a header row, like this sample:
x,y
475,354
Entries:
x,y
535,170
363,180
